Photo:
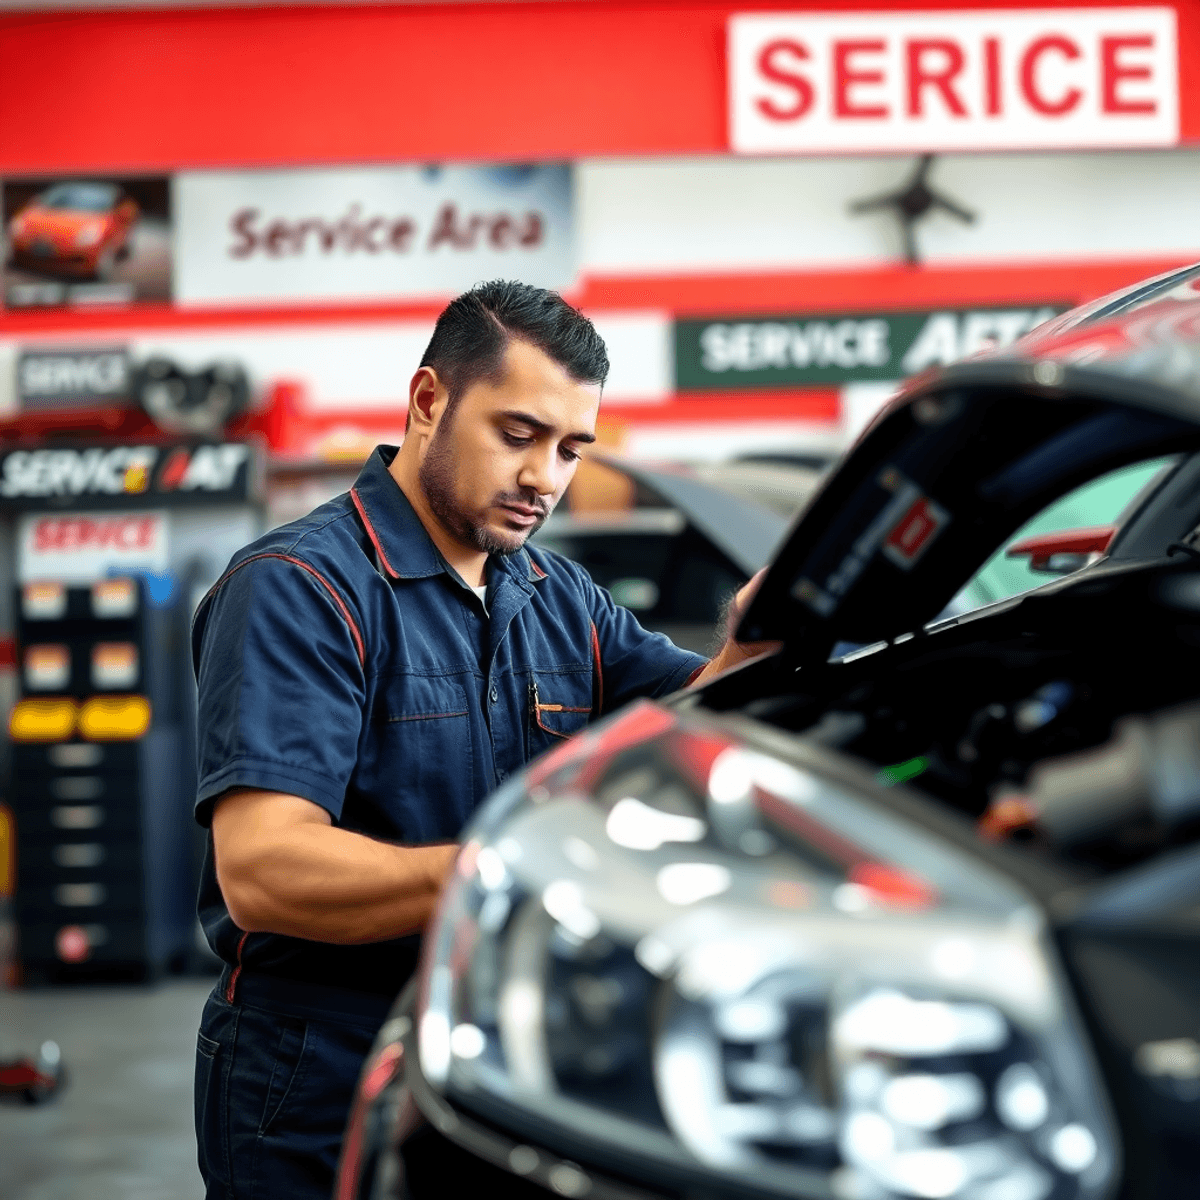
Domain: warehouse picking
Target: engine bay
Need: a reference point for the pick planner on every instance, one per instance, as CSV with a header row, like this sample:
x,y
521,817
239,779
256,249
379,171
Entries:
x,y
988,711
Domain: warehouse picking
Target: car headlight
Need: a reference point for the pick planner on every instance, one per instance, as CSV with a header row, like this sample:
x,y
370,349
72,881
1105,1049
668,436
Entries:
x,y
692,955
89,235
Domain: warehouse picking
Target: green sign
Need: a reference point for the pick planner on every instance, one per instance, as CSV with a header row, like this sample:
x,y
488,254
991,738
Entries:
x,y
765,352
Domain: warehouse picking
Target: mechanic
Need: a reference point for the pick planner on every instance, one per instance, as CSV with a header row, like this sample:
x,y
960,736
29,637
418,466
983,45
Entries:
x,y
367,675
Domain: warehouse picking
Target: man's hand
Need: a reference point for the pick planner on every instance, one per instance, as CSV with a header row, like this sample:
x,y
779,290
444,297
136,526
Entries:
x,y
732,652
283,867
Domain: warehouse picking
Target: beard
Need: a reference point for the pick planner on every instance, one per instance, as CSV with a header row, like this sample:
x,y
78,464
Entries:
x,y
438,477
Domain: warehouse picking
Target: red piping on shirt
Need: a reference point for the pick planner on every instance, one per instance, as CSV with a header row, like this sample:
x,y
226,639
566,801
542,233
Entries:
x,y
362,512
341,604
231,990
694,675
538,709
536,569
599,671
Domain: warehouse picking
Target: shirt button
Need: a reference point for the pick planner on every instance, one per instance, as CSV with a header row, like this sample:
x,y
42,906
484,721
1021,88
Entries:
x,y
494,694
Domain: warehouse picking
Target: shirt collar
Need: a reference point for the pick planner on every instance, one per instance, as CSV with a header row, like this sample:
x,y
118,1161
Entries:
x,y
402,543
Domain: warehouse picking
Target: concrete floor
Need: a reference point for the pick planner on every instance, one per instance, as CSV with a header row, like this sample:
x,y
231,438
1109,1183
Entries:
x,y
122,1127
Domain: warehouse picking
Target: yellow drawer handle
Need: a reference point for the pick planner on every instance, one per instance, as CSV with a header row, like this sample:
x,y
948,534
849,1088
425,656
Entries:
x,y
42,720
114,718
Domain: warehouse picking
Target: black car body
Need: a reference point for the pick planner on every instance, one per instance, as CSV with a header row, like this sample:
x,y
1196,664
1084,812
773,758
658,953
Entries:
x,y
914,920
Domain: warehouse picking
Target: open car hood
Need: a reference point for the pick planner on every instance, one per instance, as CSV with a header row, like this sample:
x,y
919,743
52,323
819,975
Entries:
x,y
745,532
964,456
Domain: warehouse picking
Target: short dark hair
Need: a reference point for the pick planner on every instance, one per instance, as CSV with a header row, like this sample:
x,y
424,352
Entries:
x,y
474,330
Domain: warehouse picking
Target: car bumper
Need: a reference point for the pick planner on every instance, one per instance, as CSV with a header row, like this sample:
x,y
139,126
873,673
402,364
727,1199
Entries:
x,y
39,255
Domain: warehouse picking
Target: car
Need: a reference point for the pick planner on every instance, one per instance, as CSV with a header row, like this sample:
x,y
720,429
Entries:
x,y
79,229
35,1080
905,907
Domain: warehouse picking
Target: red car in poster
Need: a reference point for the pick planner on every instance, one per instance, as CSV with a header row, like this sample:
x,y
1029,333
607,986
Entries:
x,y
79,229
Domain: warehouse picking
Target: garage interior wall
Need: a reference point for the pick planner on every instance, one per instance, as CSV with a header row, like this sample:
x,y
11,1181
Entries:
x,y
669,224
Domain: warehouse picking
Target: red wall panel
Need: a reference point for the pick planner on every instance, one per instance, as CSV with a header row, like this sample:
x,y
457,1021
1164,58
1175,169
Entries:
x,y
152,90
752,293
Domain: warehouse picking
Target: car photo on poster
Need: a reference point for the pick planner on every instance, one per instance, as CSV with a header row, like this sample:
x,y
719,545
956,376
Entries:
x,y
87,241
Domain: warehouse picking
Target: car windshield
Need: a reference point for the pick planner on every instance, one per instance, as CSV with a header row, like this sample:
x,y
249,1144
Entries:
x,y
1100,502
80,197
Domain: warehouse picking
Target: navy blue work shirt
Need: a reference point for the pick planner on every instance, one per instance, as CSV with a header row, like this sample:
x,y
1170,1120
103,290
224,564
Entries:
x,y
340,659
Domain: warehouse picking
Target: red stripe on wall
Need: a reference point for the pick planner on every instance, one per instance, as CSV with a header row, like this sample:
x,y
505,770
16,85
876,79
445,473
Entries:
x,y
286,86
157,90
877,289
794,404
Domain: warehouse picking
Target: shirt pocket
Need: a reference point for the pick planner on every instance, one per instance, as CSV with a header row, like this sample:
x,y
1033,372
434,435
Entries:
x,y
560,704
426,730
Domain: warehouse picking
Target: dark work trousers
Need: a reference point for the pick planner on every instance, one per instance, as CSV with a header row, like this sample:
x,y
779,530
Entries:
x,y
276,1067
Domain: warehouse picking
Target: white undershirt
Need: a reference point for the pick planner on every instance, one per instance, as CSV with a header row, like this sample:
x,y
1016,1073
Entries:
x,y
481,592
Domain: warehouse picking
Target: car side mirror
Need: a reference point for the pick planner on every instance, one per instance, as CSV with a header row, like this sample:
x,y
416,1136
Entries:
x,y
1065,550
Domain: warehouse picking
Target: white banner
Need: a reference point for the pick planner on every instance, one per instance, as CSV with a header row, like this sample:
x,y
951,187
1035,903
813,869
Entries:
x,y
923,81
84,547
371,233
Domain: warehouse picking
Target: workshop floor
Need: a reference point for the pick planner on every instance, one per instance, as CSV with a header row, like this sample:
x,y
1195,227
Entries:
x,y
122,1128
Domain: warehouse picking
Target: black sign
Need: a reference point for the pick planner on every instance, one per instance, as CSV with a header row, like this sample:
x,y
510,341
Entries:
x,y
136,476
764,352
69,378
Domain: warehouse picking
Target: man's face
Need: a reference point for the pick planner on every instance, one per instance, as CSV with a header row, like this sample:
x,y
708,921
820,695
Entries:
x,y
497,465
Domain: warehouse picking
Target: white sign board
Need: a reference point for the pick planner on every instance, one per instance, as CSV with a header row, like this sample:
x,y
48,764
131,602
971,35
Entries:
x,y
1007,79
371,233
84,547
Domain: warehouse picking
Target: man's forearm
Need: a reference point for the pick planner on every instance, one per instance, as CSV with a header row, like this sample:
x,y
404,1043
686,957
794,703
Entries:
x,y
731,652
309,879
729,655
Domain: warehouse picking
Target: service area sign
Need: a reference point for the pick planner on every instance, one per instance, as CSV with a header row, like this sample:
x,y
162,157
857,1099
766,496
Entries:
x,y
370,233
1023,79
780,351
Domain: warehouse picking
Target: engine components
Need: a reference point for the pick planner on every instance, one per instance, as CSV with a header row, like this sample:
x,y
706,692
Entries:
x,y
1150,769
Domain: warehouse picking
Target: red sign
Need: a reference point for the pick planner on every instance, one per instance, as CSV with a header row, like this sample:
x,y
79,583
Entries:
x,y
83,547
914,531
95,533
1000,79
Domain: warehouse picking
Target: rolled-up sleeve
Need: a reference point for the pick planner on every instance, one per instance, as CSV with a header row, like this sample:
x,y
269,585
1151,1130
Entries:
x,y
281,687
634,662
